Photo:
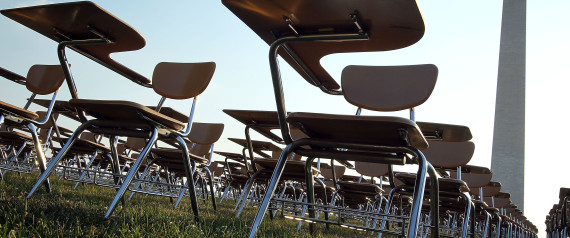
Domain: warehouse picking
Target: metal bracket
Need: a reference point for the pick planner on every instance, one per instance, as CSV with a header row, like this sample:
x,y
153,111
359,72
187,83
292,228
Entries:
x,y
356,20
404,135
291,26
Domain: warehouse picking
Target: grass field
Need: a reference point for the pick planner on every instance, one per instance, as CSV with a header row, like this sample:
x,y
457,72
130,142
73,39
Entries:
x,y
79,213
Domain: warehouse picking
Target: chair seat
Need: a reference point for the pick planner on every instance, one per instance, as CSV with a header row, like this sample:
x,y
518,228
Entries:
x,y
18,111
372,130
85,146
13,137
501,200
125,111
292,167
239,177
445,184
61,107
359,188
445,132
174,156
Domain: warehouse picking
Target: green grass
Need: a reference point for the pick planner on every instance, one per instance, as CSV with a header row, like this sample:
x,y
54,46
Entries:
x,y
66,212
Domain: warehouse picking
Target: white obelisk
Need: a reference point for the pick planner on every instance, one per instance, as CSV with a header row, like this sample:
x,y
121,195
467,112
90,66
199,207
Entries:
x,y
509,130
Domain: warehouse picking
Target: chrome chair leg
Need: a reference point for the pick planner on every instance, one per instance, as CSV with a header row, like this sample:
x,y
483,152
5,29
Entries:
x,y
39,154
498,233
247,191
434,197
243,192
116,165
181,194
141,178
228,187
189,170
310,191
280,166
131,174
302,215
211,178
387,209
86,168
486,226
418,198
465,225
115,159
13,159
53,162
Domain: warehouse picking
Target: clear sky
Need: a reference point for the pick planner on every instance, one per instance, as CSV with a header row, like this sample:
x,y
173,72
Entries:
x,y
461,38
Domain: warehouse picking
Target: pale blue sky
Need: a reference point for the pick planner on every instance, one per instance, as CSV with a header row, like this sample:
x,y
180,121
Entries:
x,y
462,39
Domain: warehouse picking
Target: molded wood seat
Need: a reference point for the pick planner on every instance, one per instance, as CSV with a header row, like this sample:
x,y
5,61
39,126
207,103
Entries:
x,y
445,184
125,111
12,137
18,111
445,132
358,129
449,155
173,157
489,190
60,107
294,168
351,187
86,146
501,200
476,177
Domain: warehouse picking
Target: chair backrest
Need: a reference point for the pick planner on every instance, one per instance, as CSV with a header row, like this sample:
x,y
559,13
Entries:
x,y
371,169
449,155
388,88
89,136
121,149
200,149
338,170
182,80
205,133
475,180
490,190
217,168
44,79
475,176
135,143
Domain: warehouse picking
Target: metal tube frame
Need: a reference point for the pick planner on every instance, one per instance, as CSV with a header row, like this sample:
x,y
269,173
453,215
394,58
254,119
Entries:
x,y
131,174
276,75
295,147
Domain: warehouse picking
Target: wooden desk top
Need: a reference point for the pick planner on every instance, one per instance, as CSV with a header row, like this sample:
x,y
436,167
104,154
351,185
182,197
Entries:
x,y
12,76
389,25
260,121
82,21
